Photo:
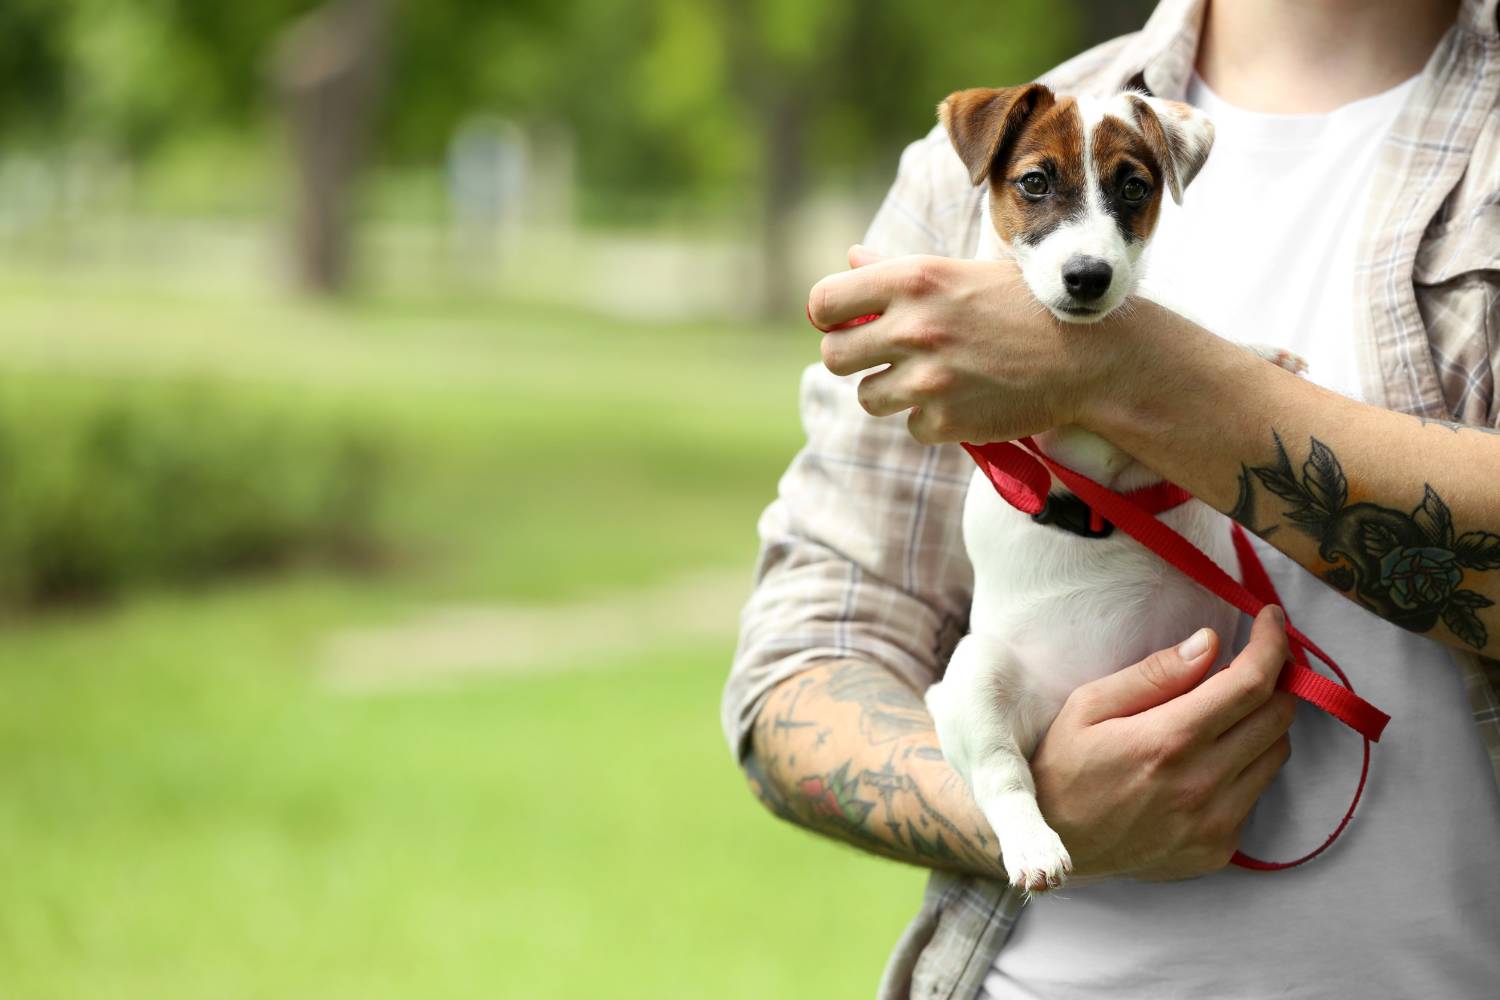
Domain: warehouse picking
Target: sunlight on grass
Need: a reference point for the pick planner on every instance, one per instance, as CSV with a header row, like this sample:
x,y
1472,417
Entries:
x,y
186,811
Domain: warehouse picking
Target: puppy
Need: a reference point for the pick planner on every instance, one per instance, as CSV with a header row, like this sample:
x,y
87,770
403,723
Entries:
x,y
1074,194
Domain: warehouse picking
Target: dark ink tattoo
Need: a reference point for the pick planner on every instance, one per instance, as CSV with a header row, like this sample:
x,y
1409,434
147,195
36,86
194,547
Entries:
x,y
764,789
880,809
890,709
1244,507
835,796
1407,567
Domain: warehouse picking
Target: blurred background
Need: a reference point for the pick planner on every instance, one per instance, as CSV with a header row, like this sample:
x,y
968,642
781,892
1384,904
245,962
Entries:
x,y
388,390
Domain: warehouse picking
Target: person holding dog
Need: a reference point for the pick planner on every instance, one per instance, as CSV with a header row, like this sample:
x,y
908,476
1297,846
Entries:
x,y
1350,212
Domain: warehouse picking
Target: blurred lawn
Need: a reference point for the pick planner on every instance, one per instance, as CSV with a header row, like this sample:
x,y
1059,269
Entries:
x,y
186,811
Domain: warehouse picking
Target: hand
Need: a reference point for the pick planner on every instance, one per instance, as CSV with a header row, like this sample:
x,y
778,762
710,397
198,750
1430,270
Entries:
x,y
1150,774
971,352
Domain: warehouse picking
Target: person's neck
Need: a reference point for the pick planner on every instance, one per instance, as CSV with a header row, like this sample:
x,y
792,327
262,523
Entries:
x,y
1311,56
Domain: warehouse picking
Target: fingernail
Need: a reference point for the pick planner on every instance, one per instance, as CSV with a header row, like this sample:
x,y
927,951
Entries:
x,y
1278,616
1195,645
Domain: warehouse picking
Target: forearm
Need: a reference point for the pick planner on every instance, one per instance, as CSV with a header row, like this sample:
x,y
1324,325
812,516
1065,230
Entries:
x,y
1399,514
848,751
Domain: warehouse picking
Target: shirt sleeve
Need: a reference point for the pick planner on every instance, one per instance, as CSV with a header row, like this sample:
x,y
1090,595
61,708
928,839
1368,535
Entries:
x,y
862,551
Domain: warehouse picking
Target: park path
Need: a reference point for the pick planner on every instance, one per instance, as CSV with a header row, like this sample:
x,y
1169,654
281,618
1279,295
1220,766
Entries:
x,y
448,645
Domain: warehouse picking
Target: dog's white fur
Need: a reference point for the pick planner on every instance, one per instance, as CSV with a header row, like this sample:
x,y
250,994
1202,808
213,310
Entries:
x,y
1053,610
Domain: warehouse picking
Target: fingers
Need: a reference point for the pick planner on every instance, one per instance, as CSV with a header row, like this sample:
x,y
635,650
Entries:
x,y
860,255
1248,739
1220,702
880,395
1246,788
841,297
859,347
1154,681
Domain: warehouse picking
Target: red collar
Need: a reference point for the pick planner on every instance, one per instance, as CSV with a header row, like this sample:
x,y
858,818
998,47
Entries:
x,y
1020,476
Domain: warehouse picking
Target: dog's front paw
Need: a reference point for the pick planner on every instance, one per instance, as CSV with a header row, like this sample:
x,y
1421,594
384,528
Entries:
x,y
1035,859
1281,357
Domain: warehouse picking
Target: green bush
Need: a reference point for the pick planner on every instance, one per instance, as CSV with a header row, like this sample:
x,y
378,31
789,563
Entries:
x,y
106,485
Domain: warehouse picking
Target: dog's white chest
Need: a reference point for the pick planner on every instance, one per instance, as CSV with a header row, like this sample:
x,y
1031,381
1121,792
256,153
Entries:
x,y
1072,609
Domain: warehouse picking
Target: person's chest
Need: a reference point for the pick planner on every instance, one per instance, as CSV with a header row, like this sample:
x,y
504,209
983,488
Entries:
x,y
1264,251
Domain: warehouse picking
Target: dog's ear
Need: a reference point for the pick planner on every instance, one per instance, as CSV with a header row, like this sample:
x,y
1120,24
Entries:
x,y
1179,136
984,122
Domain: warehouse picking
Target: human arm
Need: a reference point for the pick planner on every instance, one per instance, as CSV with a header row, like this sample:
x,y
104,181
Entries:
x,y
1146,773
1400,514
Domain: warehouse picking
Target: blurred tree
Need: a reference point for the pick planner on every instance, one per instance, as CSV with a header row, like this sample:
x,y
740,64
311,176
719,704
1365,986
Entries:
x,y
143,71
33,63
330,69
836,80
729,108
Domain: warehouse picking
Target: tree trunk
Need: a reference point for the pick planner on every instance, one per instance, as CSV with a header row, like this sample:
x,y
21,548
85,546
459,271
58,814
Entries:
x,y
329,72
784,135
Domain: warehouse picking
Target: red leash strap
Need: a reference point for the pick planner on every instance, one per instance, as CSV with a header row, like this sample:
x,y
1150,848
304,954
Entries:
x,y
1342,703
1022,480
1300,681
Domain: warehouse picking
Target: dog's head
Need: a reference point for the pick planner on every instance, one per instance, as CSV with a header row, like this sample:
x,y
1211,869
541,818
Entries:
x,y
1076,183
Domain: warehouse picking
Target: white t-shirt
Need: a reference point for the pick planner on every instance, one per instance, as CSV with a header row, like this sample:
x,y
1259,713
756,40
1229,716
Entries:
x,y
1407,903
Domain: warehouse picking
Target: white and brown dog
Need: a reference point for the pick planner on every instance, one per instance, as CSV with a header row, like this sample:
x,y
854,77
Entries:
x,y
1074,194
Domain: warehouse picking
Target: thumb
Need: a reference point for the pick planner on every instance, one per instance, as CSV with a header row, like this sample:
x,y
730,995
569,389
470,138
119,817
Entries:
x,y
1155,680
860,255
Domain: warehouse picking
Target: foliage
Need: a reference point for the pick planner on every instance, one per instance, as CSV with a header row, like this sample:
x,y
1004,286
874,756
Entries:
x,y
32,63
104,488
663,97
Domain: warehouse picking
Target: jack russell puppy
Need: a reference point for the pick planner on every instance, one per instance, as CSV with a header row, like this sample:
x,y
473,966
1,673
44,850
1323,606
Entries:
x,y
1074,192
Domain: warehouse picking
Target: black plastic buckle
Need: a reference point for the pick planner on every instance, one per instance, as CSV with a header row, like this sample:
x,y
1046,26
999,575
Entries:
x,y
1070,514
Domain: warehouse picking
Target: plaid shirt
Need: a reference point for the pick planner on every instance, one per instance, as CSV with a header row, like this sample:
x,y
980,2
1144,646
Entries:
x,y
862,553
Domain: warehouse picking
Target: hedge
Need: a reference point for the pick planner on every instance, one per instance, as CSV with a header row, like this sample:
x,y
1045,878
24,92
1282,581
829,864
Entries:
x,y
108,484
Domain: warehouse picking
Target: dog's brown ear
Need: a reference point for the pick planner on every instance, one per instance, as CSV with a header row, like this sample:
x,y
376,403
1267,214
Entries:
x,y
1179,136
984,122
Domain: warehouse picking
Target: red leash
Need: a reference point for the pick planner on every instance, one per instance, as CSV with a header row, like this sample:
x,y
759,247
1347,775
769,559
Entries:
x,y
1022,478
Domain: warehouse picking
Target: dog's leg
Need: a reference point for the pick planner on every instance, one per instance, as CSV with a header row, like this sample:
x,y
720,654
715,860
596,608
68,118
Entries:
x,y
988,724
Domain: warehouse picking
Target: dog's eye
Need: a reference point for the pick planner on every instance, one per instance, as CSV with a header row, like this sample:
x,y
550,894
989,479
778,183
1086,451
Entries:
x,y
1133,190
1035,184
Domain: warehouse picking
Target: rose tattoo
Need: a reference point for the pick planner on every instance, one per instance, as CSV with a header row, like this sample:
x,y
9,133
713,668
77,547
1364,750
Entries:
x,y
1407,567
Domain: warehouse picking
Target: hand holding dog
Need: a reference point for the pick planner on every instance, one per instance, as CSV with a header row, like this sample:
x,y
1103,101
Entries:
x,y
971,352
1149,774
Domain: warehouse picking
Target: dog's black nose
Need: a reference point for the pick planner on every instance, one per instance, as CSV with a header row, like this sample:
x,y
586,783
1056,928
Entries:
x,y
1086,278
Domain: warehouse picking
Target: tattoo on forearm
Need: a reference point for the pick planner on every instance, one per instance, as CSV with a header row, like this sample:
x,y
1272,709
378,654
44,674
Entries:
x,y
884,809
1244,507
889,709
1409,567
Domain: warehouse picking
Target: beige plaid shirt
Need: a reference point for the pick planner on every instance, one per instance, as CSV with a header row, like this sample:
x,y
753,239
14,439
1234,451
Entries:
x,y
862,553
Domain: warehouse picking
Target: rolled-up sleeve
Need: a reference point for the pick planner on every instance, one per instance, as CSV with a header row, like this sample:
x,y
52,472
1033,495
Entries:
x,y
862,551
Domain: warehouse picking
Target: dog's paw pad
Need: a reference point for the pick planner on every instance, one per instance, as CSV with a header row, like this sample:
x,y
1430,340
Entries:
x,y
1037,863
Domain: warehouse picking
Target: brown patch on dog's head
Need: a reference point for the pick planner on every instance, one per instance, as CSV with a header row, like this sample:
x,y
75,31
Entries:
x,y
1123,159
1050,143
1179,136
984,122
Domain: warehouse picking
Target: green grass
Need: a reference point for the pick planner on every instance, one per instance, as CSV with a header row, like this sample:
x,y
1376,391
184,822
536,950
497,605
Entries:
x,y
185,811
